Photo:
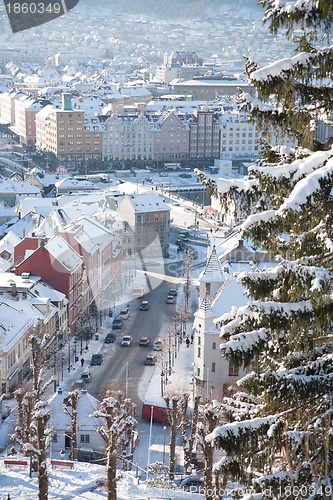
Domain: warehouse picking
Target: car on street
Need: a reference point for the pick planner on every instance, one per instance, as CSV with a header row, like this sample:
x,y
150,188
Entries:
x,y
96,359
183,233
144,341
126,341
124,313
194,484
86,377
170,299
151,360
144,305
158,344
110,338
117,323
173,291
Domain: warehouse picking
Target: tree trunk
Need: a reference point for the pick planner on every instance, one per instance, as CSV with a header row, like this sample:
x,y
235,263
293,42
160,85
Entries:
x,y
43,493
173,433
111,471
74,429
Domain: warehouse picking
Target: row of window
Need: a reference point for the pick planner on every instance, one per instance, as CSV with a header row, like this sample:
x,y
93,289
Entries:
x,y
232,372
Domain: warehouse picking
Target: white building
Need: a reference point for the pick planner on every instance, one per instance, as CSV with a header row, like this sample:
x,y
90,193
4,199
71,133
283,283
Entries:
x,y
212,373
128,138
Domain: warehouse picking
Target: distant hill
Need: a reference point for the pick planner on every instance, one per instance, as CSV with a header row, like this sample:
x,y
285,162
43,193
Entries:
x,y
174,8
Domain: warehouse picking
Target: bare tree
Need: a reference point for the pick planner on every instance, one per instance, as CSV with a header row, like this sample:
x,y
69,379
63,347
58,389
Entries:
x,y
72,401
40,419
208,424
118,415
30,431
173,416
185,423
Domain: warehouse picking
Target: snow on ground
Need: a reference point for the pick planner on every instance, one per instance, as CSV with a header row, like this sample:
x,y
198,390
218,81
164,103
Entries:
x,y
83,483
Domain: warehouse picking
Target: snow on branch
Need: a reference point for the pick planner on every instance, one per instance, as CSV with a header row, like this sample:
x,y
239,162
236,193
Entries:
x,y
237,430
306,188
277,68
295,170
245,341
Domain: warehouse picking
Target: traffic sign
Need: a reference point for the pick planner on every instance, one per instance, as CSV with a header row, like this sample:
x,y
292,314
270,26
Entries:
x,y
137,441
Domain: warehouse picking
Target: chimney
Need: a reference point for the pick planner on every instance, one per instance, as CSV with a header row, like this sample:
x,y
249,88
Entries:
x,y
14,291
39,242
24,232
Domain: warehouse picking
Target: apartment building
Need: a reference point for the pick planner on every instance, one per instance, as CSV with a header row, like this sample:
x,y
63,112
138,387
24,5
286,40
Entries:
x,y
204,138
239,137
149,218
73,139
128,137
171,137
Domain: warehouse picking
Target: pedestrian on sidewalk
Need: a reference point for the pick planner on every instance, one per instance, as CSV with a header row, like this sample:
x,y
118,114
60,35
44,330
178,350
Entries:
x,y
192,338
82,361
187,341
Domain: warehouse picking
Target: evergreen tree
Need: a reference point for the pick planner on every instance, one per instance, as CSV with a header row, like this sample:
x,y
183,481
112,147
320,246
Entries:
x,y
280,440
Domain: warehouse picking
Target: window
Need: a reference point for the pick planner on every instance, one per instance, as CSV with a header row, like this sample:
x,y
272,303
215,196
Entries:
x,y
199,339
199,352
233,372
87,436
82,438
54,438
213,367
214,345
198,372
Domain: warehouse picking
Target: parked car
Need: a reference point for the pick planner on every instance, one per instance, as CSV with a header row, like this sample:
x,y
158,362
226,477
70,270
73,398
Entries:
x,y
173,291
145,341
183,233
158,344
194,484
117,323
151,360
124,313
144,305
78,384
170,299
96,359
110,338
86,377
126,341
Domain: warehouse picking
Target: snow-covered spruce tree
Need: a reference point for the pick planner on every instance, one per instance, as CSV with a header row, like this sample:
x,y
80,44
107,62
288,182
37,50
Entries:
x,y
280,439
118,415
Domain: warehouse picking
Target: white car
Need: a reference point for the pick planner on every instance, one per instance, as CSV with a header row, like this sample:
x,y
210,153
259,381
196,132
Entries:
x,y
124,313
126,341
158,345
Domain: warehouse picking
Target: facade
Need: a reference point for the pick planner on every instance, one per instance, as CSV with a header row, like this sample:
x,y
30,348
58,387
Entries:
x,y
73,139
204,138
25,300
171,137
60,266
128,137
149,218
212,373
88,437
239,137
209,89
26,109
